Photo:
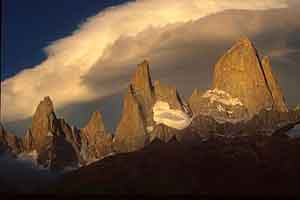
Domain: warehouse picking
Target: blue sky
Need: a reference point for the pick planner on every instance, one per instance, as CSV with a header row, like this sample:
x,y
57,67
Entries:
x,y
31,25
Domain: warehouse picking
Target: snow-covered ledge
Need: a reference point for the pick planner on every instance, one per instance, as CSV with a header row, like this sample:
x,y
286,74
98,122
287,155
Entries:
x,y
173,118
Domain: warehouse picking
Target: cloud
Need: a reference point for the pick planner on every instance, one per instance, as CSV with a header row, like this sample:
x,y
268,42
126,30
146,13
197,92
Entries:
x,y
70,59
192,49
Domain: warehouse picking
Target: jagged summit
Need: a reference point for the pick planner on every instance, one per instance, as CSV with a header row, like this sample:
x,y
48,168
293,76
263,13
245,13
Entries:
x,y
142,89
51,139
245,98
96,142
131,131
142,79
45,106
245,41
167,93
146,106
239,72
43,122
95,123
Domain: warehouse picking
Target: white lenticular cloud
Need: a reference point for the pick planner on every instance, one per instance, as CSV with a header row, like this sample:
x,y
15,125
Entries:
x,y
71,58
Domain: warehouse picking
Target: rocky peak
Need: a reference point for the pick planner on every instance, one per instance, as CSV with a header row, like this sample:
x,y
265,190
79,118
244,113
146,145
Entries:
x,y
45,107
276,92
239,73
9,142
142,90
141,80
95,141
51,138
131,131
43,122
95,123
169,94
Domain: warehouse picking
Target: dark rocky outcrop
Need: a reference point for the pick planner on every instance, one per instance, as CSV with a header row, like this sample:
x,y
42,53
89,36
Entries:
x,y
163,133
251,165
9,143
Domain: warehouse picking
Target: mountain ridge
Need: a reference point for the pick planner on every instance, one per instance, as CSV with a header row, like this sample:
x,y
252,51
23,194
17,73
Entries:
x,y
157,111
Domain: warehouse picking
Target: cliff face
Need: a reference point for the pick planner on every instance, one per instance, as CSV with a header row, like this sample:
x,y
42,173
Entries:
x,y
169,94
96,141
143,91
239,72
44,123
131,132
275,90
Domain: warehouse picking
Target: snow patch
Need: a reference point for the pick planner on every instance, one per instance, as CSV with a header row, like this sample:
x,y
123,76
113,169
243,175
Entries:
x,y
173,118
50,134
221,96
150,129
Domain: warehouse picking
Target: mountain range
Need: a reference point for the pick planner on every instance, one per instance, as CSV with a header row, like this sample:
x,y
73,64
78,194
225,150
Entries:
x,y
244,100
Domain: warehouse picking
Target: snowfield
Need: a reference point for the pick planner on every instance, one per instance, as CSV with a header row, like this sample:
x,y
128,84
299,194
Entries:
x,y
173,118
223,97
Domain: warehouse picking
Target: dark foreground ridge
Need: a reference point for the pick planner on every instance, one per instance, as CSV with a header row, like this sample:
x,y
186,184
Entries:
x,y
256,165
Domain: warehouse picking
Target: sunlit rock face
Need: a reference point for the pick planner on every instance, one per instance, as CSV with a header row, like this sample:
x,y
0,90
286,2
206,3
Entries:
x,y
275,89
243,86
131,133
96,142
239,72
138,121
143,91
169,94
53,140
43,121
173,118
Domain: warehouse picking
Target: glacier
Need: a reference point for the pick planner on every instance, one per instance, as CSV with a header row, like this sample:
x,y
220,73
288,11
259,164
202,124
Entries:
x,y
173,118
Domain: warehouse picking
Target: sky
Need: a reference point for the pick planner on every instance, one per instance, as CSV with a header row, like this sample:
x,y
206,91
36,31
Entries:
x,y
29,26
83,56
